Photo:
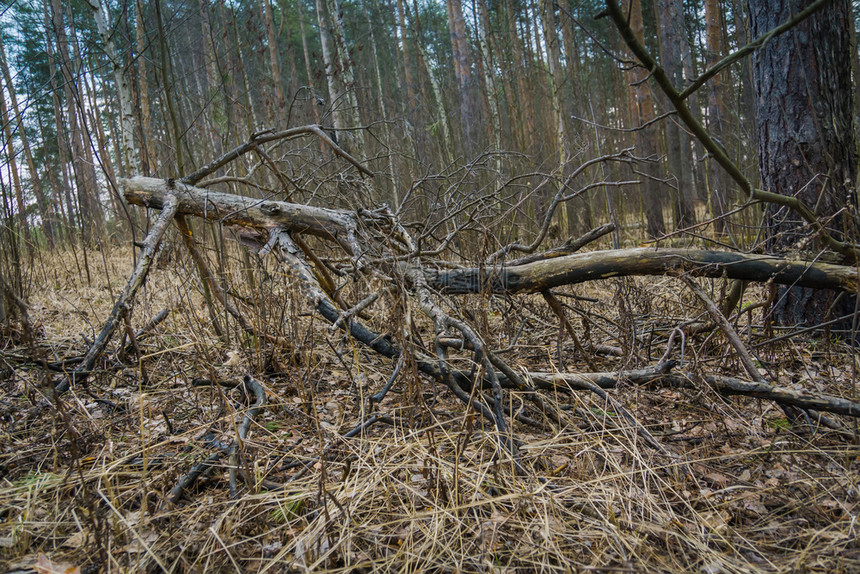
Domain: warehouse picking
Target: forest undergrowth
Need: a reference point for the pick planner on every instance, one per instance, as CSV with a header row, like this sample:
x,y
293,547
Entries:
x,y
420,483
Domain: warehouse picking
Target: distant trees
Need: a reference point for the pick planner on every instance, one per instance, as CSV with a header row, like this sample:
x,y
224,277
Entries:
x,y
95,88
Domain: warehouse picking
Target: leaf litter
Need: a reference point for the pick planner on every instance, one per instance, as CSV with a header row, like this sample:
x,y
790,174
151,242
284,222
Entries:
x,y
85,489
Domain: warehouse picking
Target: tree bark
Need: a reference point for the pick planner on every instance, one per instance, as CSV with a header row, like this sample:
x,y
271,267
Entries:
x,y
131,158
672,35
89,211
278,107
718,181
644,138
142,87
462,57
45,211
806,133
13,170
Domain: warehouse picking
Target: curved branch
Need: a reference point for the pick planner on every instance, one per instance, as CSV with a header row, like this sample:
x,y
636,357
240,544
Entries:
x,y
266,137
619,18
752,47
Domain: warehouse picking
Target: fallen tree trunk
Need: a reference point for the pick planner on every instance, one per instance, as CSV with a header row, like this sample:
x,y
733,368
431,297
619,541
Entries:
x,y
342,226
579,268
243,211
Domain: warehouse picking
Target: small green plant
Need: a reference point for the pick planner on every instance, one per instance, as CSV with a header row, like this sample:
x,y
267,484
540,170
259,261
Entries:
x,y
781,423
287,510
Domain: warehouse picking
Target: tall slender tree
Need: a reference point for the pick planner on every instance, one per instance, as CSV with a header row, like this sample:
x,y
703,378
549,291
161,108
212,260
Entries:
x,y
645,137
462,59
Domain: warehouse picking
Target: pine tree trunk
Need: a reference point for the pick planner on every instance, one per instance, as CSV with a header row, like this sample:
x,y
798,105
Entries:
x,y
277,104
495,126
806,132
89,213
645,138
13,170
718,181
167,89
672,31
462,72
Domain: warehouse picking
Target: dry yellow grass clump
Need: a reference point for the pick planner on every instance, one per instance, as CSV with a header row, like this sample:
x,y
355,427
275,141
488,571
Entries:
x,y
424,487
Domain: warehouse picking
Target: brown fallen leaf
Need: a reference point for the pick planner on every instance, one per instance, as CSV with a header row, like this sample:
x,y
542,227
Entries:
x,y
45,566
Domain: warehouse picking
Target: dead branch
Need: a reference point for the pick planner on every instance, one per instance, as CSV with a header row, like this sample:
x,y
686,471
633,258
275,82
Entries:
x,y
260,138
343,227
247,212
561,197
123,304
569,247
619,17
252,387
727,329
726,386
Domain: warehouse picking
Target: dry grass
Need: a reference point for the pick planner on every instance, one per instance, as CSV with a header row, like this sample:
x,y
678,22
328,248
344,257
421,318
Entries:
x,y
432,492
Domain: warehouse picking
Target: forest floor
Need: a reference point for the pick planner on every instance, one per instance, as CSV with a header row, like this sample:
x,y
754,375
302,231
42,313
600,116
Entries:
x,y
737,487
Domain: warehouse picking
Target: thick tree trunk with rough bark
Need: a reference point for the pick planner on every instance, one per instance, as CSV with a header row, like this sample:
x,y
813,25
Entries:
x,y
806,133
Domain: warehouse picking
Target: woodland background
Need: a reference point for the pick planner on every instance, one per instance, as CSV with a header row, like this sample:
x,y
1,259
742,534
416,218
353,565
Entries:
x,y
516,90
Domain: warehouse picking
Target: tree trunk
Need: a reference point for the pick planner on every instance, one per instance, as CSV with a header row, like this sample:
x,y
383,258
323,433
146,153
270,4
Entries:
x,y
13,169
278,100
806,132
89,211
383,111
335,90
718,181
463,72
167,88
672,33
130,159
567,214
441,114
142,87
495,127
308,68
645,138
342,227
45,211
64,198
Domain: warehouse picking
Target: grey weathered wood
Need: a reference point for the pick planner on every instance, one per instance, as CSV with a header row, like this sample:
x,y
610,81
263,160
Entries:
x,y
229,209
579,268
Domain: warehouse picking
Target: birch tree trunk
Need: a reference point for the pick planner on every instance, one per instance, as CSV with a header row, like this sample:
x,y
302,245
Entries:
x,y
130,157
